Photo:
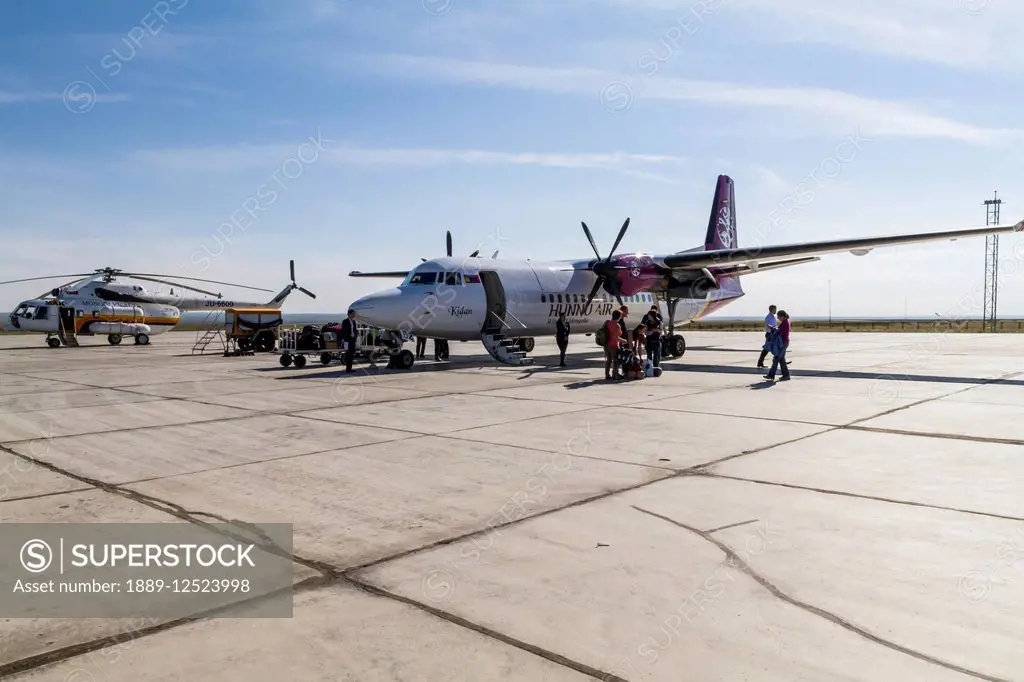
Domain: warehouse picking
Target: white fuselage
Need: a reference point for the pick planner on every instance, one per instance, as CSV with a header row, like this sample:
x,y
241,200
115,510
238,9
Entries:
x,y
91,317
461,298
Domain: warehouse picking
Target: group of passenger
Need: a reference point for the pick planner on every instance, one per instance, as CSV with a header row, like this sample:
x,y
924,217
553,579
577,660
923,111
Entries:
x,y
776,342
641,343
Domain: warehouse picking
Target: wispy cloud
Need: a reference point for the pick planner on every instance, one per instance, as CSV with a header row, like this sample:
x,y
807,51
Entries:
x,y
840,110
226,159
7,97
964,34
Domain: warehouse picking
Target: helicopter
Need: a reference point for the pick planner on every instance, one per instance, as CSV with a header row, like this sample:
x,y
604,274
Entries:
x,y
96,304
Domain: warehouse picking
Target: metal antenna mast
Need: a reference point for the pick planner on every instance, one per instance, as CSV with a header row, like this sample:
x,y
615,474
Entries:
x,y
988,320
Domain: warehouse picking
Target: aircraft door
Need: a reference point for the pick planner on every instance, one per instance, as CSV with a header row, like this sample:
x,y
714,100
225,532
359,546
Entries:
x,y
497,303
66,320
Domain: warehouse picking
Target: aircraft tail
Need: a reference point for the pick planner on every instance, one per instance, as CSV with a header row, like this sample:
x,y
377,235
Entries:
x,y
722,223
722,229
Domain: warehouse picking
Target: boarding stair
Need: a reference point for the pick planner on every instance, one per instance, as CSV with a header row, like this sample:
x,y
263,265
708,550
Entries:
x,y
206,335
502,348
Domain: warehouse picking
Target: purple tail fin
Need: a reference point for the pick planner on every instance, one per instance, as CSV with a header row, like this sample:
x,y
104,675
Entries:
x,y
722,231
722,223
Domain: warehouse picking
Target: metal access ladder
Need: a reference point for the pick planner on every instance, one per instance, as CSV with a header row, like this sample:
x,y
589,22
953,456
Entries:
x,y
204,337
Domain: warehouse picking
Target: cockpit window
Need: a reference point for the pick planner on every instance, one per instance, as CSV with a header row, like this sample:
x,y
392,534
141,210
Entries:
x,y
452,278
423,278
41,312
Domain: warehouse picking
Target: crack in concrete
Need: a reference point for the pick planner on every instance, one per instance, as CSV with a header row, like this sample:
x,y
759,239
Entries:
x,y
859,496
815,610
728,526
488,632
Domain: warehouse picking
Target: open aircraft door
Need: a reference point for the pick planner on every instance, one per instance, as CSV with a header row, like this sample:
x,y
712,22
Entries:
x,y
66,322
497,303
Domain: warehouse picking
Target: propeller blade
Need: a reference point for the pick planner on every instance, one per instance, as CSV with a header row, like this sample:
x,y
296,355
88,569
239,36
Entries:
x,y
586,231
495,254
143,275
448,242
593,292
423,259
307,292
177,284
475,254
291,266
622,233
613,285
36,279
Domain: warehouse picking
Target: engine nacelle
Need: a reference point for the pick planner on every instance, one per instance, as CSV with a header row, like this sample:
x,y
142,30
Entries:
x,y
697,284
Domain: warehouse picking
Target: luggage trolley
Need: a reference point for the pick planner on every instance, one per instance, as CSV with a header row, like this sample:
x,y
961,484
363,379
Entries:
x,y
372,345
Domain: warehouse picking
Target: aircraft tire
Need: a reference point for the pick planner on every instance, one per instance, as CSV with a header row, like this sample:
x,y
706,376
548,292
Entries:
x,y
286,360
114,339
406,359
300,361
53,342
527,344
142,340
677,346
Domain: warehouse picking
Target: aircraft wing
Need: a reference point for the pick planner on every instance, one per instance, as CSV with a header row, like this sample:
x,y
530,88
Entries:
x,y
760,256
751,268
396,273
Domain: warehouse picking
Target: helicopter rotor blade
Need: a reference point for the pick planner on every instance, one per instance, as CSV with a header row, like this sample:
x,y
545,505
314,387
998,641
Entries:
x,y
36,279
144,275
178,284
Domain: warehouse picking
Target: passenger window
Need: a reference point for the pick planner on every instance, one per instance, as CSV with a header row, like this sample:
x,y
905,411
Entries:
x,y
542,299
559,298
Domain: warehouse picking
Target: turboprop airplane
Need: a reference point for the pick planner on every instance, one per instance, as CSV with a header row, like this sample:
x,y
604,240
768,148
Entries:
x,y
506,303
97,305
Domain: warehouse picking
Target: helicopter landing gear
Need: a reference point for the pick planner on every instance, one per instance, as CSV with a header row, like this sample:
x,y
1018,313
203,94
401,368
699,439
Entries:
x,y
53,342
114,339
142,340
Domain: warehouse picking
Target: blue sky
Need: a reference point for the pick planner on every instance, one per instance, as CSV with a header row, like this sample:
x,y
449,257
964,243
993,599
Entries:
x,y
357,132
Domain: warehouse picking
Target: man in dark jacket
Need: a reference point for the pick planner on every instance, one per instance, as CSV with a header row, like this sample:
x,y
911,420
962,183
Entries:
x,y
653,321
348,335
562,332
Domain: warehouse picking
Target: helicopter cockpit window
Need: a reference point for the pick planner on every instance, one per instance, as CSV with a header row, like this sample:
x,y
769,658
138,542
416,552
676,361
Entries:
x,y
23,311
41,312
423,278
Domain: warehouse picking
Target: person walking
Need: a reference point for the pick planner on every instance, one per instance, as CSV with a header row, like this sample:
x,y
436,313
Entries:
x,y
349,334
562,331
770,323
611,346
779,351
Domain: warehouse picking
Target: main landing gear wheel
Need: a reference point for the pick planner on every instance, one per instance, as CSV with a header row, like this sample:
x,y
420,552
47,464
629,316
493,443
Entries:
x,y
142,340
286,360
405,359
300,361
114,339
53,342
676,346
527,344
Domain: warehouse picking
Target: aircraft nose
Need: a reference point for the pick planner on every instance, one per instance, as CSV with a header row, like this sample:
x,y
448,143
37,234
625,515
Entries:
x,y
381,309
